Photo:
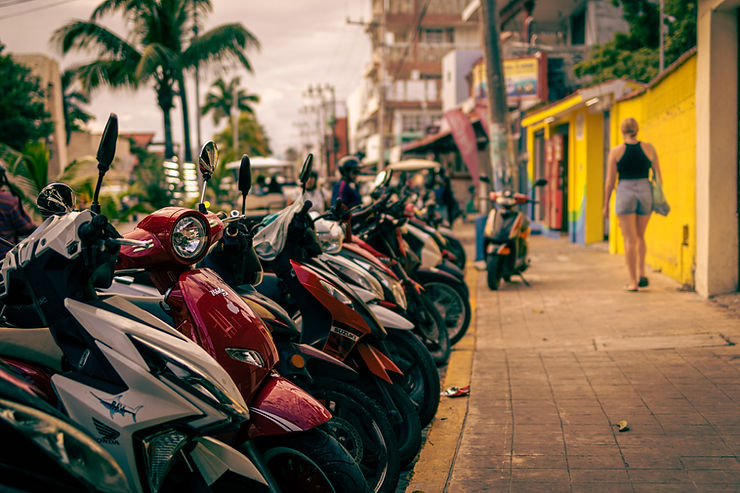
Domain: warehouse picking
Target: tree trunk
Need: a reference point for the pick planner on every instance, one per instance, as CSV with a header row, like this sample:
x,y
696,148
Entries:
x,y
164,99
185,118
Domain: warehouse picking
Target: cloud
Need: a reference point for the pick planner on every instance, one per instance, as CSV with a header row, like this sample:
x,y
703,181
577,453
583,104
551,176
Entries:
x,y
303,42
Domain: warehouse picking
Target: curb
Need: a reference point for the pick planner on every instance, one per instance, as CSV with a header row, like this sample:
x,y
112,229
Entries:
x,y
434,467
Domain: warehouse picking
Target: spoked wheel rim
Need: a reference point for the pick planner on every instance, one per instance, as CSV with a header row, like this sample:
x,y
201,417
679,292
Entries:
x,y
295,471
353,434
449,304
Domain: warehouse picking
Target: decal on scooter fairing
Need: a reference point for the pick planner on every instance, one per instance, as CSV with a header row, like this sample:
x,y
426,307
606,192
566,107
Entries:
x,y
107,434
115,406
220,291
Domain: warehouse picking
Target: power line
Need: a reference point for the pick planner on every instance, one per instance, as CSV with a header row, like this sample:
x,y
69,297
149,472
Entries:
x,y
43,7
9,3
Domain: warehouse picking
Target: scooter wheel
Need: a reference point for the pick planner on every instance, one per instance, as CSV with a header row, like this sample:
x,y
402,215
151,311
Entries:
x,y
362,427
494,275
311,461
420,375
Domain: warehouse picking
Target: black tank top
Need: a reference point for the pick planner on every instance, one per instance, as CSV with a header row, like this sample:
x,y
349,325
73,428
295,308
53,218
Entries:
x,y
634,164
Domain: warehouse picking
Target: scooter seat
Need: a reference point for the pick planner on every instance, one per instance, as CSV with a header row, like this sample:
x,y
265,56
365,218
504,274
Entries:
x,y
36,345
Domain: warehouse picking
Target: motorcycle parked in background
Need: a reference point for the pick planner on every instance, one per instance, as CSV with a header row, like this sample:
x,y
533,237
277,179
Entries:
x,y
506,237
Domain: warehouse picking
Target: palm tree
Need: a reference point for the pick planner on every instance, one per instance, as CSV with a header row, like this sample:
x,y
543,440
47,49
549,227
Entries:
x,y
72,101
159,47
220,99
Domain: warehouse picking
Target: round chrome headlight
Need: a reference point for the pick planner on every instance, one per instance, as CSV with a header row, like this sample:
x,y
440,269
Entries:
x,y
330,235
189,237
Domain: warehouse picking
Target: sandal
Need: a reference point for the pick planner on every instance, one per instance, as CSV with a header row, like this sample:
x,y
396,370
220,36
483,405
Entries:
x,y
643,283
630,290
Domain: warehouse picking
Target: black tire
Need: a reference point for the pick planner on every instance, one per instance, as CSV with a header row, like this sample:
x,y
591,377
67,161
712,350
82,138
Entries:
x,y
311,461
402,415
494,274
443,294
362,427
431,329
420,375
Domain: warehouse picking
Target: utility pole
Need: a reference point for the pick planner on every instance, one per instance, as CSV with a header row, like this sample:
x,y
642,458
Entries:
x,y
235,117
498,143
381,84
332,154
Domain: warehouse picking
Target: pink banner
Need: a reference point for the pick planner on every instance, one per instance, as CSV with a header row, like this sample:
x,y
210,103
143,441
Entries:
x,y
464,136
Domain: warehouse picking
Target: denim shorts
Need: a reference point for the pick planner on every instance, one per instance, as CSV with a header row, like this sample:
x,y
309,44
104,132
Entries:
x,y
634,197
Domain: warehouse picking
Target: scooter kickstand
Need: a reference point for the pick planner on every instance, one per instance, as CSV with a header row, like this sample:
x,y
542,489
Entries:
x,y
524,280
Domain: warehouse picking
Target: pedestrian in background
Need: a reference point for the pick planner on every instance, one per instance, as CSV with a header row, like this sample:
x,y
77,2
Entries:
x,y
14,222
349,168
315,193
631,163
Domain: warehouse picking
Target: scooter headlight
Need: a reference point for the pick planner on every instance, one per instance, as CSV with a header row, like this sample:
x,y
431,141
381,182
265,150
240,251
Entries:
x,y
189,237
335,292
398,293
330,235
69,447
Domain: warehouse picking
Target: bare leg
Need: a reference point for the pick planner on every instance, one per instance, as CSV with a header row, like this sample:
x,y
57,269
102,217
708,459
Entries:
x,y
642,222
628,225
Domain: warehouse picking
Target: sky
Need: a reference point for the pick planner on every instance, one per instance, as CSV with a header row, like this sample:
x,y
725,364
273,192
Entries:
x,y
304,42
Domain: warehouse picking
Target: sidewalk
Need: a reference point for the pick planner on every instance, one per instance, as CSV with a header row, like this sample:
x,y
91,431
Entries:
x,y
557,364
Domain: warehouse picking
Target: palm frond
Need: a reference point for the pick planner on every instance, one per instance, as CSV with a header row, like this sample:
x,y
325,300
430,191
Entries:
x,y
222,43
114,73
90,36
155,56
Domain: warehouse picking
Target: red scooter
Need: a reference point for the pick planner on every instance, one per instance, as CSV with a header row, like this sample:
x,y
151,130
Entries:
x,y
282,429
333,317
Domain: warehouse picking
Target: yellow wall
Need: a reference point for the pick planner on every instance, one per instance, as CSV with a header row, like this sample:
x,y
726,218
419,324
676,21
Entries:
x,y
667,118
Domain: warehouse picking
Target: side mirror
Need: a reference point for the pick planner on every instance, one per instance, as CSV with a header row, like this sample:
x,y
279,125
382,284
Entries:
x,y
105,155
56,198
208,160
245,180
485,179
540,183
306,169
380,179
245,175
107,146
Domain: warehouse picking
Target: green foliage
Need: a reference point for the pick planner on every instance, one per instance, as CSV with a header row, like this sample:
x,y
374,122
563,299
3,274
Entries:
x,y
220,99
635,55
252,139
22,114
148,189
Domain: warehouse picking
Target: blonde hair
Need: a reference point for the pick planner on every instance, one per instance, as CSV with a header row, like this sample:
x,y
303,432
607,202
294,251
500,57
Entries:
x,y
629,126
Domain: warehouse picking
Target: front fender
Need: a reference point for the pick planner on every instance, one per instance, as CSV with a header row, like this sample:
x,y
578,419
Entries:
x,y
282,407
213,459
425,275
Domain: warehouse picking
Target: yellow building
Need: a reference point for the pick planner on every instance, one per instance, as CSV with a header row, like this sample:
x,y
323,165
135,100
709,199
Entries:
x,y
568,143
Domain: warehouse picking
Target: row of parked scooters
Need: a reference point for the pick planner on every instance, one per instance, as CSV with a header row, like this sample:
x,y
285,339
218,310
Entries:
x,y
224,352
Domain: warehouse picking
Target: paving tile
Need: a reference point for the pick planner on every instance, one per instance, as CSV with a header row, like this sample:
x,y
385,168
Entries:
x,y
712,463
599,476
602,487
539,487
716,476
605,461
664,488
659,476
539,461
642,458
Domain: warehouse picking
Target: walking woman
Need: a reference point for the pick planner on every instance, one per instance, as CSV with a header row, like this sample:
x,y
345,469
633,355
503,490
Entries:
x,y
632,161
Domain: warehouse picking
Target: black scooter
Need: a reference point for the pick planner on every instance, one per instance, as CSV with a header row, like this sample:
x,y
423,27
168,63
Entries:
x,y
506,236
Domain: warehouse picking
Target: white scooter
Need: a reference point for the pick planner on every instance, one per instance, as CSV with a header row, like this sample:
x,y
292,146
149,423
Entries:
x,y
145,392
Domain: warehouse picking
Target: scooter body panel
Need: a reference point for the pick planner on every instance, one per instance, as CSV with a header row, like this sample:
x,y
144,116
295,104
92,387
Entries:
x,y
223,320
282,407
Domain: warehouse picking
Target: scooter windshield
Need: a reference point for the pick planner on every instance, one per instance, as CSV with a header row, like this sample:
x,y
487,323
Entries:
x,y
270,240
